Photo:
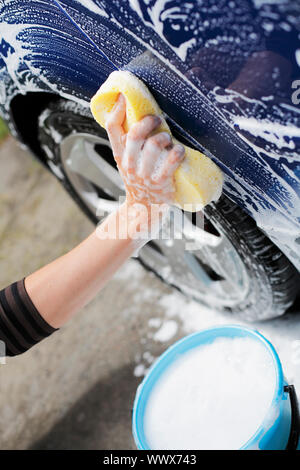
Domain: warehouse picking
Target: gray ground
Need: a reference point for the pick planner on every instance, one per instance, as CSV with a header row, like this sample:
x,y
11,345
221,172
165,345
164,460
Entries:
x,y
75,390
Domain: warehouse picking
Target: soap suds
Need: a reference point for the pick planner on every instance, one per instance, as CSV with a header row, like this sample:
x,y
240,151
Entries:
x,y
157,19
241,37
279,135
213,397
139,370
168,304
92,6
154,322
166,332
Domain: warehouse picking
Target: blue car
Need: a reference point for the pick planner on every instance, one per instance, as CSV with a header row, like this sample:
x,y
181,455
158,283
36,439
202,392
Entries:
x,y
226,73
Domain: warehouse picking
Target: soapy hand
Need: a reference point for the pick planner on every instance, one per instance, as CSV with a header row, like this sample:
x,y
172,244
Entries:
x,y
146,162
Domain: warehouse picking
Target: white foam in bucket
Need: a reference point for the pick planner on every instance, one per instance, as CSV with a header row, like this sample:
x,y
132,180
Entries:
x,y
222,388
214,396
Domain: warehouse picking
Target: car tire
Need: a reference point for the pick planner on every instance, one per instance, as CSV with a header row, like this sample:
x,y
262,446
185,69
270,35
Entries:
x,y
271,281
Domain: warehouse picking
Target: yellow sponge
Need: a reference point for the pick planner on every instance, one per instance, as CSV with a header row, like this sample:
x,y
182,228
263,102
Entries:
x,y
198,180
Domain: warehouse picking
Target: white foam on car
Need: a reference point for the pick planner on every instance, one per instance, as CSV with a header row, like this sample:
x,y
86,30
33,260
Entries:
x,y
213,397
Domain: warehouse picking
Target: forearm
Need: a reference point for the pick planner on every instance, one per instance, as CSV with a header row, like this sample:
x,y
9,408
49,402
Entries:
x,y
50,296
64,286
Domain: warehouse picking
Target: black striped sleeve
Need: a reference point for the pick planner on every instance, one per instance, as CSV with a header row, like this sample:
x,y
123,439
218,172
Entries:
x,y
21,325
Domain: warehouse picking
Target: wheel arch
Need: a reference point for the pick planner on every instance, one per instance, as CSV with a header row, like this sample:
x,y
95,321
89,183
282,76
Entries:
x,y
32,104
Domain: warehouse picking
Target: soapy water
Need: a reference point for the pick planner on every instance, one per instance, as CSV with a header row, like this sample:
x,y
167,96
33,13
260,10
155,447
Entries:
x,y
143,166
24,42
215,396
192,39
166,331
270,161
29,74
157,306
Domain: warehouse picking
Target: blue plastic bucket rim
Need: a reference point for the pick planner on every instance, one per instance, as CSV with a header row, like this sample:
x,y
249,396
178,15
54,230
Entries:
x,y
223,330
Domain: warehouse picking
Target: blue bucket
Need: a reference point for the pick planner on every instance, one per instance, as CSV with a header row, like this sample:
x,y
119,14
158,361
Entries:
x,y
280,432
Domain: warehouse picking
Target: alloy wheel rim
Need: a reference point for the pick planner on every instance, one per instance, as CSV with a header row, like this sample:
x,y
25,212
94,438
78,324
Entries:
x,y
213,274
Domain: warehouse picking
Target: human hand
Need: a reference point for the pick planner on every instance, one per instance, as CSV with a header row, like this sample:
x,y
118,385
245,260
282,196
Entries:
x,y
146,163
